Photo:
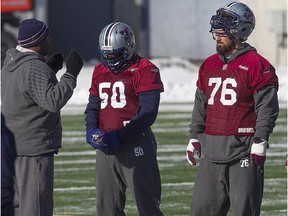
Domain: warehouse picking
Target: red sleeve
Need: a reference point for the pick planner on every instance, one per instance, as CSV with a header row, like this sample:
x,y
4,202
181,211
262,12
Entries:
x,y
199,83
149,79
93,89
262,73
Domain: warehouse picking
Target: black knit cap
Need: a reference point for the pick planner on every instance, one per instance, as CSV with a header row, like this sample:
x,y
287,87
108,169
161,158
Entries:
x,y
32,32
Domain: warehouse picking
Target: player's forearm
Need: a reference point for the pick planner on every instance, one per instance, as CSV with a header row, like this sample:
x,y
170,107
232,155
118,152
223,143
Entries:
x,y
198,119
92,112
267,110
149,104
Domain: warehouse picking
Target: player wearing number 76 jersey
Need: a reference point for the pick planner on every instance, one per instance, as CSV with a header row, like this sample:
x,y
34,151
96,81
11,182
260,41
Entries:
x,y
123,104
234,113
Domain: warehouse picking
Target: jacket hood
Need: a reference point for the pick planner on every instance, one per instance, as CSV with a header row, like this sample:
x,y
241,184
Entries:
x,y
14,58
240,51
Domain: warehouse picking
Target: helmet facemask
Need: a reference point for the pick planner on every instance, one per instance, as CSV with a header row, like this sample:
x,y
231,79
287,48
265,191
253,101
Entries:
x,y
226,22
115,60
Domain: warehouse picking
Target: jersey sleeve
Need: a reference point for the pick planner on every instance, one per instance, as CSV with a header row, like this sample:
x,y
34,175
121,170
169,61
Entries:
x,y
93,89
45,90
263,74
149,79
200,85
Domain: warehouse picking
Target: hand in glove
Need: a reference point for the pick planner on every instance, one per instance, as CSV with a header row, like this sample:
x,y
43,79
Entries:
x,y
74,63
192,148
102,140
112,140
55,61
258,151
94,138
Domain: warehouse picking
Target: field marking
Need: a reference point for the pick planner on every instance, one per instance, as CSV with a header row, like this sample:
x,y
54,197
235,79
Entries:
x,y
93,187
63,162
81,153
267,182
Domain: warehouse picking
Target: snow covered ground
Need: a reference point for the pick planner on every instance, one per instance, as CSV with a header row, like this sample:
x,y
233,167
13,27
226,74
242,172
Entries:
x,y
179,77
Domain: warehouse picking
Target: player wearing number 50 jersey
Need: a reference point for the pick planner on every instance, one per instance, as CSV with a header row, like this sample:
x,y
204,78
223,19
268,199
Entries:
x,y
234,113
123,104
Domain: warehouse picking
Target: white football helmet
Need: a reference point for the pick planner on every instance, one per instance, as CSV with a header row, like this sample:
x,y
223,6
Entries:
x,y
236,19
116,46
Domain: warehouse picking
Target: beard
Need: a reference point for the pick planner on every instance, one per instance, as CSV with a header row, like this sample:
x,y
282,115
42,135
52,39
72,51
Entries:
x,y
223,49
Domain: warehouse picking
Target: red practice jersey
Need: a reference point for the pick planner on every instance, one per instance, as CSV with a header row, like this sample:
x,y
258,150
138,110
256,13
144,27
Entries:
x,y
119,92
229,90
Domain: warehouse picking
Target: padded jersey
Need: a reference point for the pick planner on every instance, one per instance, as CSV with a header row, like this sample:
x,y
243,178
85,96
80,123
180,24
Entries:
x,y
230,90
119,92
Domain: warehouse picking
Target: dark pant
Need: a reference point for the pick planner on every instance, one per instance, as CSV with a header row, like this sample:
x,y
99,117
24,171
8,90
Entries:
x,y
134,167
218,187
34,178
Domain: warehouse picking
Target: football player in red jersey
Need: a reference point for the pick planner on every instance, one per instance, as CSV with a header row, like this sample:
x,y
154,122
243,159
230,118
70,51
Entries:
x,y
234,113
123,104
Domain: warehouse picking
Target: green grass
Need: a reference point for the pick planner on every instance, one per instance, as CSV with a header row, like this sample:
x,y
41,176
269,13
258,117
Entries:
x,y
74,192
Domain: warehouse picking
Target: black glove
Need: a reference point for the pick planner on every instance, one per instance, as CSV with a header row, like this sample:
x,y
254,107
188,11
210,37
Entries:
x,y
74,63
55,61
